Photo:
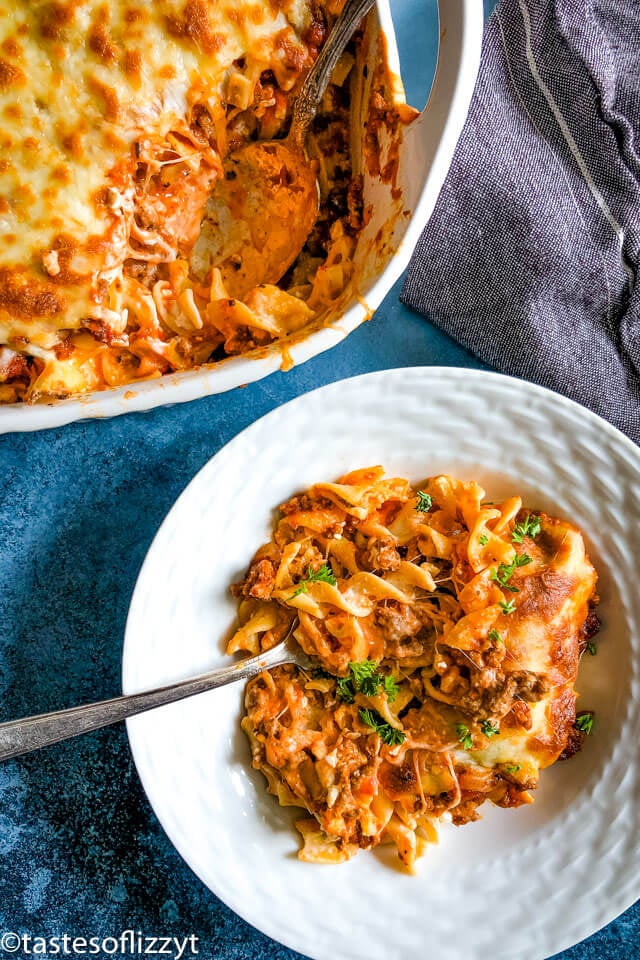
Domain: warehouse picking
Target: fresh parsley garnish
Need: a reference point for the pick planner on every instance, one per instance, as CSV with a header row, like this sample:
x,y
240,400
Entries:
x,y
391,689
345,690
464,735
494,635
483,539
369,686
366,679
505,571
505,586
512,767
489,729
363,670
584,722
425,501
323,574
508,607
388,734
530,527
592,648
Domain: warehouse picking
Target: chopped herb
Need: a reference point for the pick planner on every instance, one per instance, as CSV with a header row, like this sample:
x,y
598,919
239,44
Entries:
x,y
512,767
530,527
488,729
390,735
366,679
505,586
391,689
370,717
508,607
505,571
345,690
369,686
425,501
483,539
323,574
464,735
592,648
584,722
494,635
363,670
301,588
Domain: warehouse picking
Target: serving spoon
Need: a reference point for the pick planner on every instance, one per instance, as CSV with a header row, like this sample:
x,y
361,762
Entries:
x,y
262,210
18,737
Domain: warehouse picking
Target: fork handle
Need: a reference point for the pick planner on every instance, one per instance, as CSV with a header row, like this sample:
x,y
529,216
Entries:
x,y
317,80
18,737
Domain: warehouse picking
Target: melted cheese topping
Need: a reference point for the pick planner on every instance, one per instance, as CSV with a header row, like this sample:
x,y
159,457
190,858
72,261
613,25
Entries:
x,y
472,617
80,83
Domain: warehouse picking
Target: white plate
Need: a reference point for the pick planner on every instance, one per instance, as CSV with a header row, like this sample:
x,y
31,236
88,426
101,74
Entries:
x,y
519,884
425,152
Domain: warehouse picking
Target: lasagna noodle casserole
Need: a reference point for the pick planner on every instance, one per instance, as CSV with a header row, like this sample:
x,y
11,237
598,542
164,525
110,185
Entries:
x,y
116,119
445,634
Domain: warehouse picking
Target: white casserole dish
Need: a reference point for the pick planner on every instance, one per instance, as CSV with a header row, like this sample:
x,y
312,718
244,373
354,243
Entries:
x,y
425,152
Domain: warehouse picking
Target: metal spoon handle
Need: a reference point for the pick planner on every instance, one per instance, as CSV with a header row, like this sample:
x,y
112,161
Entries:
x,y
316,81
31,733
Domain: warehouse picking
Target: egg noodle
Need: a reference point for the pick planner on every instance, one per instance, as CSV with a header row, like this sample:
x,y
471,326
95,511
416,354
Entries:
x,y
446,633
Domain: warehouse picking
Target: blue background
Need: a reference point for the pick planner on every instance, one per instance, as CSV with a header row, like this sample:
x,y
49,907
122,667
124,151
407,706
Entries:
x,y
82,852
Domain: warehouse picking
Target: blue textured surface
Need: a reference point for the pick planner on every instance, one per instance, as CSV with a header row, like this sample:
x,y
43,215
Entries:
x,y
81,850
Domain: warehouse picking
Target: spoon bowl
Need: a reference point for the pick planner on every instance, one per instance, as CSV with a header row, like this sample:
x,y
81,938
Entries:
x,y
260,214
262,210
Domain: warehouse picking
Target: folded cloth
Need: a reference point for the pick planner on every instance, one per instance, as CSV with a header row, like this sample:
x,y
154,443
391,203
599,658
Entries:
x,y
530,258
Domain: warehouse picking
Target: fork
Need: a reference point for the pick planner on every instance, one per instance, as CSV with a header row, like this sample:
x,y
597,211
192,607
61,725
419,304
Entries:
x,y
18,737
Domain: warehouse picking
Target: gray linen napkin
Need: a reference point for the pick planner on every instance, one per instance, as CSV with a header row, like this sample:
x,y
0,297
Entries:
x,y
530,259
